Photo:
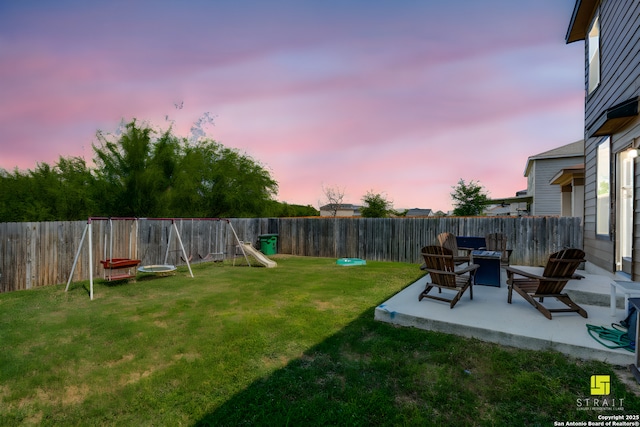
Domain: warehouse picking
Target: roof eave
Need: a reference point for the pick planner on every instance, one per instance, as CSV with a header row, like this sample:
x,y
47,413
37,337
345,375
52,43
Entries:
x,y
568,175
580,19
527,167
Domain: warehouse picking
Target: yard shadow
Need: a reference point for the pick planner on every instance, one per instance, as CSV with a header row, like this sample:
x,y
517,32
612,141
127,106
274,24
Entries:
x,y
375,373
330,381
346,379
364,374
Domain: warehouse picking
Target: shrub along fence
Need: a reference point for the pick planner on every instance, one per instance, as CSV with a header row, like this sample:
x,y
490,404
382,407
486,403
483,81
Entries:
x,y
42,253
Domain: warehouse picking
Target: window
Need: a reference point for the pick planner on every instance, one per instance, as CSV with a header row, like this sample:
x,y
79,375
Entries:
x,y
594,54
603,188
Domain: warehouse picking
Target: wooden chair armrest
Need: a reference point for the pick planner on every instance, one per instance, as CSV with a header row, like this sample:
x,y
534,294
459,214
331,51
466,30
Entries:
x,y
448,273
470,267
552,279
512,271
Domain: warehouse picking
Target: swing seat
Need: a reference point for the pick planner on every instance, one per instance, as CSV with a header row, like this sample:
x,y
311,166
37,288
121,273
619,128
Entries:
x,y
115,263
119,263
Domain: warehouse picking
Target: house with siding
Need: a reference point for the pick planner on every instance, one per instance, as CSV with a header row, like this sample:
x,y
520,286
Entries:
x,y
418,212
611,34
555,180
340,210
519,205
552,191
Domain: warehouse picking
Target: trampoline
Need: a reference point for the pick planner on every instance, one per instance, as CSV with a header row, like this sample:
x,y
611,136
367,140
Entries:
x,y
160,268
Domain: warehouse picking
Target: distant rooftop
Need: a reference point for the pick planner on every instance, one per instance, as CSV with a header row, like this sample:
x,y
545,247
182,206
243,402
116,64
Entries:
x,y
419,212
575,149
569,150
341,206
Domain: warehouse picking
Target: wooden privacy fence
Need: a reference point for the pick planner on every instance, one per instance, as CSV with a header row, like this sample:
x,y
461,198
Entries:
x,y
42,253
532,239
36,254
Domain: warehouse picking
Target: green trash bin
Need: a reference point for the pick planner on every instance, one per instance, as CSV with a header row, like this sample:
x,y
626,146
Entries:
x,y
268,243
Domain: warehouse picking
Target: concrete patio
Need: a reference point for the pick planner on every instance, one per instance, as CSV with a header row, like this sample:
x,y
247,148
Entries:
x,y
488,317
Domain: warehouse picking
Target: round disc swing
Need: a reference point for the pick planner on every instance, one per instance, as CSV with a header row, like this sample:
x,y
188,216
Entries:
x,y
158,269
162,269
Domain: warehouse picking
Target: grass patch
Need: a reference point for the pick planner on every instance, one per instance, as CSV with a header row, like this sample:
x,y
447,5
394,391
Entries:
x,y
292,345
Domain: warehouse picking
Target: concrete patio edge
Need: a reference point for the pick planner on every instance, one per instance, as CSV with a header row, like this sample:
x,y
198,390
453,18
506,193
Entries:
x,y
488,317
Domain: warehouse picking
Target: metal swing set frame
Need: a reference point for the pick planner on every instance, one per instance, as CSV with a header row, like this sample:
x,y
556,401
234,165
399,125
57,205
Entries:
x,y
113,266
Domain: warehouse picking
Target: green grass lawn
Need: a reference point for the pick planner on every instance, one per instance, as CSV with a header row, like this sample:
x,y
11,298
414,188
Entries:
x,y
292,345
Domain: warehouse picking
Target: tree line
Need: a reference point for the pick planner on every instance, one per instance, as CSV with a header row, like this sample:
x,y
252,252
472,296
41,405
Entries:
x,y
145,173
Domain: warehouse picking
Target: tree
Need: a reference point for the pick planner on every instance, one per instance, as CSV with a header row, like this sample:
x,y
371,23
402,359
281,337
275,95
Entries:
x,y
214,180
142,172
468,198
334,197
62,192
284,209
376,206
76,183
170,176
125,171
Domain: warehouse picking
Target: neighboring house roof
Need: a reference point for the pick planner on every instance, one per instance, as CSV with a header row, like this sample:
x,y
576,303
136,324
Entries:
x,y
341,206
575,149
419,212
509,200
502,206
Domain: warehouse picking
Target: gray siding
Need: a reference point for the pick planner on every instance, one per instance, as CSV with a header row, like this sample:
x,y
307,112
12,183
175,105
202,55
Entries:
x,y
547,197
620,81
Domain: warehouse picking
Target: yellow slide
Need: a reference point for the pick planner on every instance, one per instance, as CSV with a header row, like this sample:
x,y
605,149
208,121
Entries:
x,y
259,256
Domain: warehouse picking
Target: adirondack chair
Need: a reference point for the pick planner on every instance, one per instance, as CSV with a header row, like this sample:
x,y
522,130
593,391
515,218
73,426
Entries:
x,y
559,270
448,240
442,271
498,242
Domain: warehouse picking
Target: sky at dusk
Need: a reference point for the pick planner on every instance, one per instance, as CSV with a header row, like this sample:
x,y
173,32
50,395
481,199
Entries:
x,y
401,98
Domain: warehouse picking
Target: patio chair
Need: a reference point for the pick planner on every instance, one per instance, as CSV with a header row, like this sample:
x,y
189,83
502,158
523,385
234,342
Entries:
x,y
448,240
498,242
559,270
443,275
